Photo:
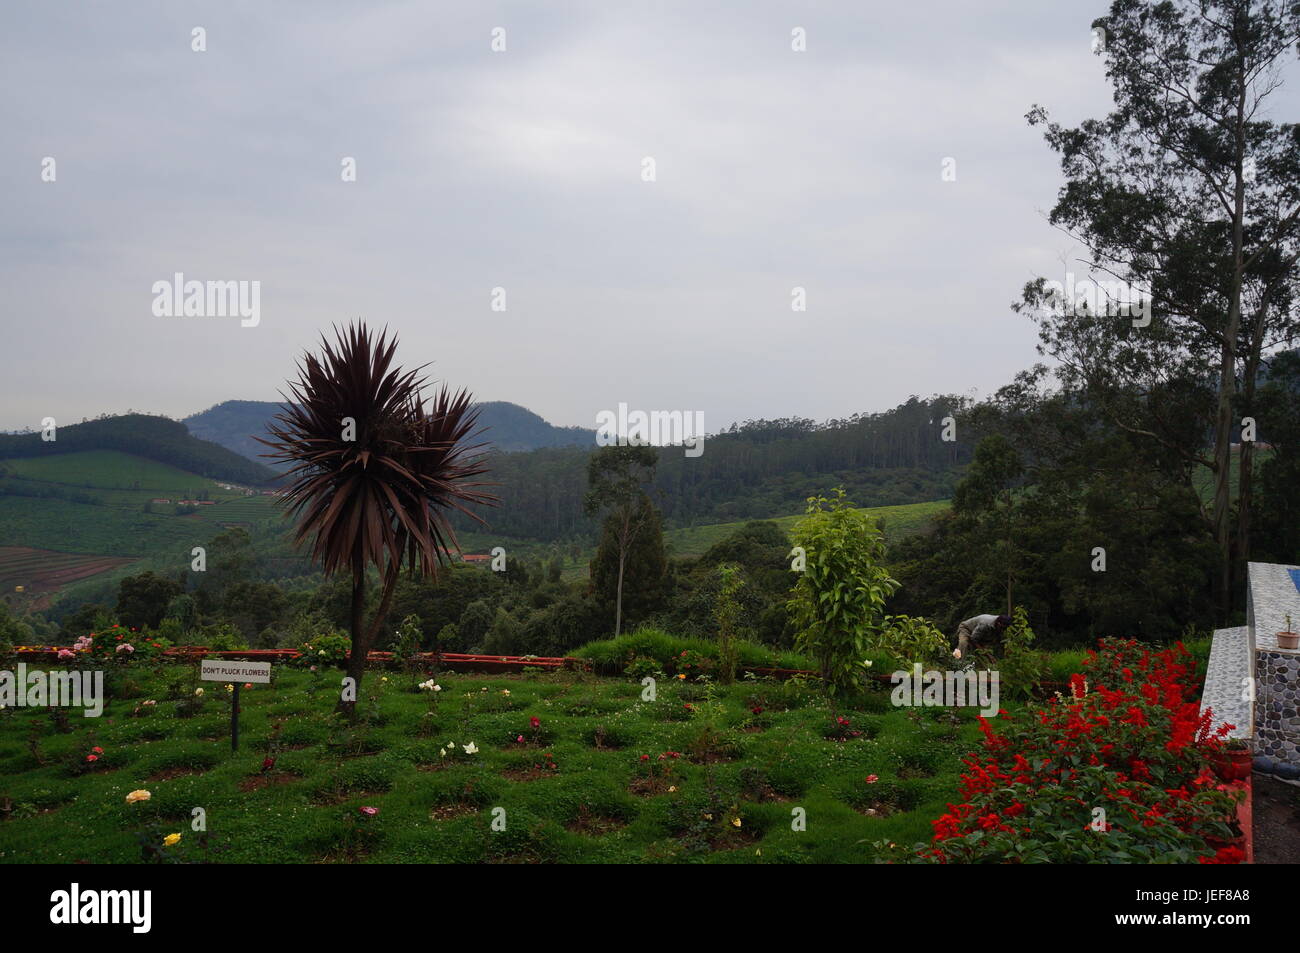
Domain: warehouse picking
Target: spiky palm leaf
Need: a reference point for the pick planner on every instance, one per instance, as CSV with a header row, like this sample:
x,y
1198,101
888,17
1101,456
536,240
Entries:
x,y
382,498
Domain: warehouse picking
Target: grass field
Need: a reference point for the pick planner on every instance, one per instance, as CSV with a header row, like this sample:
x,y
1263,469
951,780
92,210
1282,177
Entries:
x,y
895,521
112,470
601,803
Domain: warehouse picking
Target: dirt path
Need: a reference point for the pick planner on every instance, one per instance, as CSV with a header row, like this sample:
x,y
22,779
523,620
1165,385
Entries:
x,y
1276,807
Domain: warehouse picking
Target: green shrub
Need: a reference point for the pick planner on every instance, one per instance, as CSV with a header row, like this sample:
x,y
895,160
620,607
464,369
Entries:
x,y
329,648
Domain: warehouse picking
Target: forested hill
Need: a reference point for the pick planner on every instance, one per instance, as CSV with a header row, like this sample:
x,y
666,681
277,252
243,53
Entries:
x,y
511,428
757,469
507,427
156,438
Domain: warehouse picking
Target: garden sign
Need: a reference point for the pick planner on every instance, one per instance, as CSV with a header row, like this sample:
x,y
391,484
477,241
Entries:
x,y
221,670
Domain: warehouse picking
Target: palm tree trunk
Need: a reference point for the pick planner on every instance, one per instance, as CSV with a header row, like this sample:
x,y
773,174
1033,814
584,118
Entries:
x,y
356,666
363,637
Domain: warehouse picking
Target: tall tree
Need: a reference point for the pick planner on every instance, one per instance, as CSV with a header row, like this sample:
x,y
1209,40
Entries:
x,y
373,471
617,477
1186,190
634,577
989,489
142,599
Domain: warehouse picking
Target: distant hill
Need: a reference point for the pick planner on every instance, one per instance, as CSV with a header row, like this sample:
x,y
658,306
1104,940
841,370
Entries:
x,y
510,428
234,424
154,438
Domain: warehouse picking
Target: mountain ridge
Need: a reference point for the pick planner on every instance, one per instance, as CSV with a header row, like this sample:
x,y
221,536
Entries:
x,y
507,427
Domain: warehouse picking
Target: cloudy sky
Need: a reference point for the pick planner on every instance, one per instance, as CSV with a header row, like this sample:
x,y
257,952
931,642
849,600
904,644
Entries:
x,y
523,170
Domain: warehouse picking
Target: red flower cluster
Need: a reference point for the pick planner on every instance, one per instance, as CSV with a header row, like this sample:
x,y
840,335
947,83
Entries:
x,y
1120,770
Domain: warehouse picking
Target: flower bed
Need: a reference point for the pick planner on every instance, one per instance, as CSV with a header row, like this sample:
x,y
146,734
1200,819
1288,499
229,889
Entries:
x,y
453,661
1122,770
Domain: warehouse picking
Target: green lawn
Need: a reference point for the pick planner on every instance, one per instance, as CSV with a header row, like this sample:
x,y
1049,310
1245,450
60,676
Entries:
x,y
600,804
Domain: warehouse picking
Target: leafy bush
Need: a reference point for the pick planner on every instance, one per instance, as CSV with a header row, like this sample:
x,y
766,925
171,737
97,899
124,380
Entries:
x,y
1022,667
907,639
838,603
122,645
328,648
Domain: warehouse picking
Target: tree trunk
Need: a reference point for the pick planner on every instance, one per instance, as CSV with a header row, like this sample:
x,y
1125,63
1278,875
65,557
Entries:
x,y
363,636
618,599
356,666
1246,460
1228,370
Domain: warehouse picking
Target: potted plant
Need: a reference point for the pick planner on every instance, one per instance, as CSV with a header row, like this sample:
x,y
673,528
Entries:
x,y
1236,761
1288,639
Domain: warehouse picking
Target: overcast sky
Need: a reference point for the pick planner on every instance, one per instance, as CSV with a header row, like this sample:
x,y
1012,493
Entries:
x,y
522,169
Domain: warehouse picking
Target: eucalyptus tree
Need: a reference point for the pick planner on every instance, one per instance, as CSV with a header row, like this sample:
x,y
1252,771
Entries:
x,y
617,479
1189,192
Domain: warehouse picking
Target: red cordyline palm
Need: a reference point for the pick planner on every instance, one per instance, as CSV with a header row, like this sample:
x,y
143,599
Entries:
x,y
375,472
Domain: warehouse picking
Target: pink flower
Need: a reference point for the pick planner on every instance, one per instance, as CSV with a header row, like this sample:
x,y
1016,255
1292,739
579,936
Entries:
x,y
67,653
97,749
871,779
126,647
520,739
370,811
92,757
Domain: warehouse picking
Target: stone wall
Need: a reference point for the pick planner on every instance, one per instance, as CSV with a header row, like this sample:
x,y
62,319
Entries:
x,y
1277,705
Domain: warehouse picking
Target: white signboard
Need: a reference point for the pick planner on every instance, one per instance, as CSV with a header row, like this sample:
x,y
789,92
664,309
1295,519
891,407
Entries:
x,y
221,670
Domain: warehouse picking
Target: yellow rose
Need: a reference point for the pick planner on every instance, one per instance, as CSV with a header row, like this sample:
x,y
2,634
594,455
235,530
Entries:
x,y
141,795
171,840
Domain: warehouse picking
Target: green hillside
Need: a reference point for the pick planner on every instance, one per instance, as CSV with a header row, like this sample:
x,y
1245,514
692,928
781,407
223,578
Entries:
x,y
152,438
109,470
895,521
100,503
97,530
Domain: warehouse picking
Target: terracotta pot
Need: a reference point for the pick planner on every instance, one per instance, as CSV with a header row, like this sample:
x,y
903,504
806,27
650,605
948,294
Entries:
x,y
1234,764
1288,640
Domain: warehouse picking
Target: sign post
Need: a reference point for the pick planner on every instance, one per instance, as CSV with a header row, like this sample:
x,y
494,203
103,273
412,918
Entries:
x,y
235,673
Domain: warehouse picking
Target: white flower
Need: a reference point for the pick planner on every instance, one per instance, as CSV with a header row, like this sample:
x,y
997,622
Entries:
x,y
442,752
198,691
470,748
